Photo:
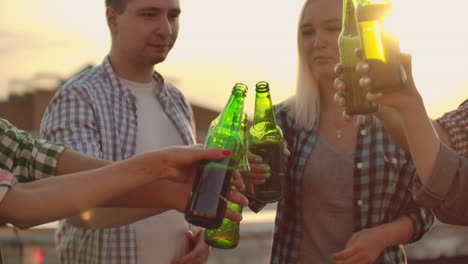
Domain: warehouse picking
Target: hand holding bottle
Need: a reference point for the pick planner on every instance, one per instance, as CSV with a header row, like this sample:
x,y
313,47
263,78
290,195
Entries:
x,y
402,100
259,171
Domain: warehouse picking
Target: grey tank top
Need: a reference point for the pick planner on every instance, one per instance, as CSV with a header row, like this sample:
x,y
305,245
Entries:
x,y
327,203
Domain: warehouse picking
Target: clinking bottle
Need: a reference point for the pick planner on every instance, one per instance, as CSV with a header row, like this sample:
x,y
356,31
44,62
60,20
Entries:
x,y
207,204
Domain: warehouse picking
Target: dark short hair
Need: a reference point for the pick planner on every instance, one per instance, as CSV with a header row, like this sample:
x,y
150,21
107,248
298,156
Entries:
x,y
117,5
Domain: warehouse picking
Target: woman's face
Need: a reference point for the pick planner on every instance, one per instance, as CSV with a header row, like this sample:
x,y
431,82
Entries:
x,y
319,30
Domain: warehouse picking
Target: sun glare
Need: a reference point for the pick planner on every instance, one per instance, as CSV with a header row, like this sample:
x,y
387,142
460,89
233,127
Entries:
x,y
435,34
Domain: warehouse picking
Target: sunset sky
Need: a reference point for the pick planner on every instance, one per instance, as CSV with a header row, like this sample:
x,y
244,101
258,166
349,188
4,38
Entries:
x,y
222,42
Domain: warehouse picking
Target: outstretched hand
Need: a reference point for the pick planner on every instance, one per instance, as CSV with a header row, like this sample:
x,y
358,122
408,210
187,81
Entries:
x,y
401,100
181,164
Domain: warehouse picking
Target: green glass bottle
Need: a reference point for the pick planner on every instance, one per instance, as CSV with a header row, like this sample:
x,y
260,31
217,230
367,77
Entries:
x,y
348,41
227,235
266,141
380,49
244,166
207,203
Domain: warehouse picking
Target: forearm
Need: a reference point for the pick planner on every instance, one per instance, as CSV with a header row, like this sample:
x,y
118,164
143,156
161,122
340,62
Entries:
x,y
400,231
422,139
61,197
158,194
112,217
71,161
154,198
392,122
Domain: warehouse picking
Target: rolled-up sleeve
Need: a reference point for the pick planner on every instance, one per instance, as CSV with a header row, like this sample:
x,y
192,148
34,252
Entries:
x,y
446,188
456,124
28,159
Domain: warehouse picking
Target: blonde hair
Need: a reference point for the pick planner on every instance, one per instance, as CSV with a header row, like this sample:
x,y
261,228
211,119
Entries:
x,y
304,106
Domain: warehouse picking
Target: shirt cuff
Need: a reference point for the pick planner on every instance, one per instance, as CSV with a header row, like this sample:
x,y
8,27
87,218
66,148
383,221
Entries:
x,y
6,181
435,190
45,158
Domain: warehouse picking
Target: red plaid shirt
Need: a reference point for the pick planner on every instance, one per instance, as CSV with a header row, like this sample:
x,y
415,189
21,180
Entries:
x,y
456,124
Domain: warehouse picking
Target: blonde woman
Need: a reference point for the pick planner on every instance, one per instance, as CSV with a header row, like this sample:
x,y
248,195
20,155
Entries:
x,y
348,196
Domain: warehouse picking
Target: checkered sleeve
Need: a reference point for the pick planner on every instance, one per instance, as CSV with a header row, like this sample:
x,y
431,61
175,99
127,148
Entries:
x,y
456,124
69,119
27,158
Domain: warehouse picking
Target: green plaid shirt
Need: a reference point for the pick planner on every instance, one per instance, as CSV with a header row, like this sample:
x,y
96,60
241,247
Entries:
x,y
28,159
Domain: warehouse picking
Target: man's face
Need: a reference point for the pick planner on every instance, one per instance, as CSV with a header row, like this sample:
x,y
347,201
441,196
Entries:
x,y
146,30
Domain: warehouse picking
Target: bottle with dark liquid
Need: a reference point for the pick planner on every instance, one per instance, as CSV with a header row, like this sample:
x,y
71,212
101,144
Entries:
x,y
380,49
207,204
266,141
227,235
348,41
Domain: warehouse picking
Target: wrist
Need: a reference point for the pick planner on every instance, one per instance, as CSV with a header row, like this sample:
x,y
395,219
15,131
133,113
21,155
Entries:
x,y
150,165
171,201
415,104
385,238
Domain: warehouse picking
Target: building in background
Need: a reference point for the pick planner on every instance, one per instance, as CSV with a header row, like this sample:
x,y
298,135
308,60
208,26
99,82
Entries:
x,y
29,98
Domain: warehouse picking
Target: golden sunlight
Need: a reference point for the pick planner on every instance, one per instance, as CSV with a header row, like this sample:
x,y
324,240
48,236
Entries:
x,y
435,34
223,42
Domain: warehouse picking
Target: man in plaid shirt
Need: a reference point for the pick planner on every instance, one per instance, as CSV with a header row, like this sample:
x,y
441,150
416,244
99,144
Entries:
x,y
439,148
446,183
114,111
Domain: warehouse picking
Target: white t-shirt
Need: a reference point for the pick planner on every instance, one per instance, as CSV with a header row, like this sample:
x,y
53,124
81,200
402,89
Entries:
x,y
160,238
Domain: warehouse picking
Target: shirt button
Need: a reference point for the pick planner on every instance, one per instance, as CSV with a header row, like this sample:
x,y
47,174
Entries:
x,y
363,132
359,202
135,122
359,165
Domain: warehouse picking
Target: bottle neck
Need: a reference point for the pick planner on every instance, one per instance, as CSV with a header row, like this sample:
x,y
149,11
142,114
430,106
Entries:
x,y
349,19
263,108
243,136
231,116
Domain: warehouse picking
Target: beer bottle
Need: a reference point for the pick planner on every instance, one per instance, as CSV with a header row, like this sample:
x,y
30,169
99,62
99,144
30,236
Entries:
x,y
227,235
266,141
244,166
380,48
355,95
215,122
207,203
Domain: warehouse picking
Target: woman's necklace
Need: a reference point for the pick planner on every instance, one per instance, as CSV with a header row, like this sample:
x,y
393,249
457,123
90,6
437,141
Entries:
x,y
339,130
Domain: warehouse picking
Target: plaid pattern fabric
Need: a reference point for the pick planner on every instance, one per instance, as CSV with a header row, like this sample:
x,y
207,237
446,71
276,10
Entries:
x,y
95,114
456,124
382,182
26,158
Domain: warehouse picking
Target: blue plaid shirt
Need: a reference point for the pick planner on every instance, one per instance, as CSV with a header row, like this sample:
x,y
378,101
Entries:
x,y
95,114
382,182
